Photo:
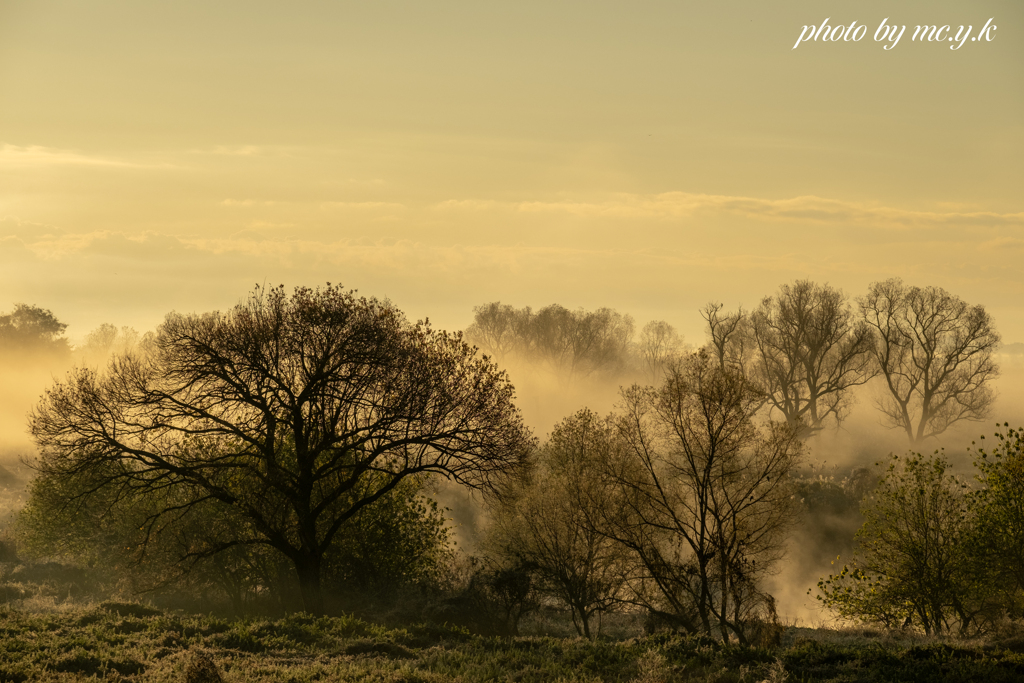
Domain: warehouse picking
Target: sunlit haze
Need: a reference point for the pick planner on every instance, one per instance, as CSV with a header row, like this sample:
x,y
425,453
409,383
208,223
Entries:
x,y
647,157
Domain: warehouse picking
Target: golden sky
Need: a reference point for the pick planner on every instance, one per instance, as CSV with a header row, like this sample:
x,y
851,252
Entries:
x,y
648,156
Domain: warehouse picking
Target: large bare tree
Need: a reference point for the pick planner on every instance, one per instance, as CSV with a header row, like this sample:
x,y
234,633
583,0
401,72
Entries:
x,y
810,352
293,412
935,354
703,496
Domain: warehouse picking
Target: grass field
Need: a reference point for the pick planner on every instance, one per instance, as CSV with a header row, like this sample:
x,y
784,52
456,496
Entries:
x,y
46,641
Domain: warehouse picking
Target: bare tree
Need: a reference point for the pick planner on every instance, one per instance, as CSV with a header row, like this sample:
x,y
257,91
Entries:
x,y
659,343
546,522
810,353
703,495
935,353
295,413
106,340
730,336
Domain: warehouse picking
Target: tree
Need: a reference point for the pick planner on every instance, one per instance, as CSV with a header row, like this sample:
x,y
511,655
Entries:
x,y
283,410
703,495
729,336
106,340
915,562
547,521
32,329
1000,510
810,353
574,344
402,540
935,354
498,328
659,343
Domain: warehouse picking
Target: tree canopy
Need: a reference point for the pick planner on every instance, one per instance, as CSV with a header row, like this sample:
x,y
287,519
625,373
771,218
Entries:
x,y
293,413
574,343
809,353
934,351
32,329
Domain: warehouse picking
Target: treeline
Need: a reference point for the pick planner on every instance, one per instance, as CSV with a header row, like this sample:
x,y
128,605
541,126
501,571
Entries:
x,y
281,454
805,348
574,344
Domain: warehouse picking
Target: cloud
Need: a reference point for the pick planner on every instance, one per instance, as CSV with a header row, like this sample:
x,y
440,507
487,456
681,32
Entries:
x,y
143,247
1003,244
362,205
13,157
246,202
15,225
232,150
807,209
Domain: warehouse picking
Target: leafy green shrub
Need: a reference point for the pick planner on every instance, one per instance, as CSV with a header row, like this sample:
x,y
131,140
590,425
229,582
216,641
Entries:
x,y
916,563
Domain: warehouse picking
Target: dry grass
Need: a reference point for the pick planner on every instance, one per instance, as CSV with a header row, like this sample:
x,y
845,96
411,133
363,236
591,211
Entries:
x,y
45,639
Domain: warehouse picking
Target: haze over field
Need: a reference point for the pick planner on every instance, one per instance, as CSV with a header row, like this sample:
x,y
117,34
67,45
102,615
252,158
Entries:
x,y
646,157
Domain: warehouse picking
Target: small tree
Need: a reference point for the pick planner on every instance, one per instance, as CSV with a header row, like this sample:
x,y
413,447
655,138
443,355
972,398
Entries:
x,y
547,521
107,340
498,328
916,561
402,540
729,336
1000,509
290,413
935,354
702,496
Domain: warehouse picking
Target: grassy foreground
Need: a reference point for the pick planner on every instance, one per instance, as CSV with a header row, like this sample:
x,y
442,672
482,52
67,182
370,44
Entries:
x,y
128,642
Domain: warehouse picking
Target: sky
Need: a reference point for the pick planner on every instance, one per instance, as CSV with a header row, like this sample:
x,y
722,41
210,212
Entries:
x,y
647,156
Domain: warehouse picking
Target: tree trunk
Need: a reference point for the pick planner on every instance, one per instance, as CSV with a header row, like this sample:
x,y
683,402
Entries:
x,y
581,620
308,569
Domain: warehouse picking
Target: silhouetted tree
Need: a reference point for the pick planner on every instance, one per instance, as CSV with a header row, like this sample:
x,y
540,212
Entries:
x,y
547,521
658,345
703,495
34,330
810,352
729,336
935,354
293,413
573,343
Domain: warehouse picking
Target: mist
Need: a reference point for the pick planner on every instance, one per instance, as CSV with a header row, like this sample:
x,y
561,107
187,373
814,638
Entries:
x,y
821,542
545,395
